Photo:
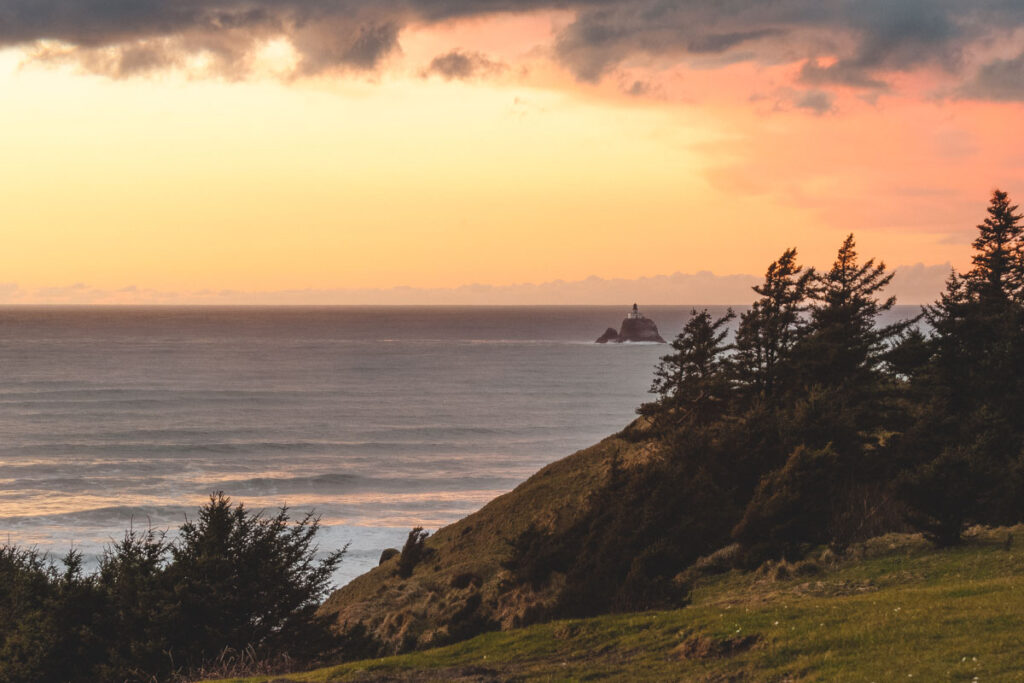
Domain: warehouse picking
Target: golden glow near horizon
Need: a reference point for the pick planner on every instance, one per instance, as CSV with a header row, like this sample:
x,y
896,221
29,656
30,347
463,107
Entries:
x,y
173,183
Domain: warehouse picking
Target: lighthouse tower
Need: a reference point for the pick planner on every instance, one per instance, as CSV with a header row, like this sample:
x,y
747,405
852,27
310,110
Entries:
x,y
635,313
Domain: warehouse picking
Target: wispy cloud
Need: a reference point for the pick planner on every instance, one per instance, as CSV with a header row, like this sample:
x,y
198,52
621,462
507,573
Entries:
x,y
459,65
1001,79
912,285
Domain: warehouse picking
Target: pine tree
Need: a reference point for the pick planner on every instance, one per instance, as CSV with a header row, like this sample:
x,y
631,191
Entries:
x,y
951,367
998,269
248,580
772,326
978,321
843,346
969,431
693,382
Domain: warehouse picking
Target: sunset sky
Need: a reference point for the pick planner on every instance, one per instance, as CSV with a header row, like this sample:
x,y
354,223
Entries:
x,y
159,151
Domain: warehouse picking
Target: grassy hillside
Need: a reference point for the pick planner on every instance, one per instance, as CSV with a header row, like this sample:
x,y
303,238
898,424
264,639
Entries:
x,y
460,589
890,609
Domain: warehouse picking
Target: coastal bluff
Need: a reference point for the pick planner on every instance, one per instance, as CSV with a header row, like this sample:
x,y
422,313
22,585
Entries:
x,y
461,587
635,328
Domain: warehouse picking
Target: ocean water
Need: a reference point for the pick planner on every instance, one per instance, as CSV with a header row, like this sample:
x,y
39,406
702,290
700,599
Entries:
x,y
379,419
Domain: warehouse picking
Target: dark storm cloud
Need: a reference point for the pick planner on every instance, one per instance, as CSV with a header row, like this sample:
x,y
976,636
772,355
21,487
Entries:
x,y
458,65
840,73
150,34
720,42
1002,79
818,101
867,35
360,45
864,39
638,89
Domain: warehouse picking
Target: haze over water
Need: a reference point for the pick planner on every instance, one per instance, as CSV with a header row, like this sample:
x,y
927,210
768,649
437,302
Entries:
x,y
379,419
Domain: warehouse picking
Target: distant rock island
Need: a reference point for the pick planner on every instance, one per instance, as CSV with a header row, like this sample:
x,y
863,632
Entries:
x,y
635,328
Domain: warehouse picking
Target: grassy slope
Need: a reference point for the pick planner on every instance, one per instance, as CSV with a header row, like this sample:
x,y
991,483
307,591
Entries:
x,y
414,613
893,609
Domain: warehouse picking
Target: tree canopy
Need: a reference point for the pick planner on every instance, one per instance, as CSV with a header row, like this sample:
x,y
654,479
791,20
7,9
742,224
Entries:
x,y
821,418
234,583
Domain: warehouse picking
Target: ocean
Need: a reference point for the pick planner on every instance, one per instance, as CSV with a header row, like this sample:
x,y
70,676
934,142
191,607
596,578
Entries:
x,y
379,419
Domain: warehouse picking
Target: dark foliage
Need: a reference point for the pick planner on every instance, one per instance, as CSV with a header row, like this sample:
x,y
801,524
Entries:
x,y
771,328
536,554
844,347
909,355
817,426
643,526
962,455
413,552
693,383
49,629
235,585
797,507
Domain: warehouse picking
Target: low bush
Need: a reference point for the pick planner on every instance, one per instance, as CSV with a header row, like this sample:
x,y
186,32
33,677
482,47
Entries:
x,y
237,591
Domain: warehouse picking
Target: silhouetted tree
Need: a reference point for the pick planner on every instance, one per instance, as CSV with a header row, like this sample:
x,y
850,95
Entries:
x,y
248,580
972,390
139,601
693,382
909,354
844,346
998,272
413,551
234,580
48,619
769,330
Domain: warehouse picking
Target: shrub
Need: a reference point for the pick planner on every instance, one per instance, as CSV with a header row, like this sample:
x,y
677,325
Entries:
x,y
792,506
237,590
413,552
48,628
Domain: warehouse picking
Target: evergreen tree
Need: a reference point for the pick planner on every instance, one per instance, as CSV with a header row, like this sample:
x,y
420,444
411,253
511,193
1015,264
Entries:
x,y
835,404
978,321
969,429
951,318
844,346
769,330
48,619
139,601
246,580
842,355
998,273
692,382
909,355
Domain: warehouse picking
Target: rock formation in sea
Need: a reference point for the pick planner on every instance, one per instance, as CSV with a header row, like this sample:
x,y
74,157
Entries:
x,y
635,328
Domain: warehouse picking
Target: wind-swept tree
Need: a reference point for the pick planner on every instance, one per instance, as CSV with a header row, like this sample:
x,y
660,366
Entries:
x,y
805,456
842,357
692,382
772,326
247,580
844,345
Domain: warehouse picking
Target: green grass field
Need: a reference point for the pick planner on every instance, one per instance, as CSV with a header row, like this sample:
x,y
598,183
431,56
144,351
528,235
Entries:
x,y
893,609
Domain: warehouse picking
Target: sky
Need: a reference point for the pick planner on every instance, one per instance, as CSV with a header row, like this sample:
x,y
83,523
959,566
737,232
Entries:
x,y
448,151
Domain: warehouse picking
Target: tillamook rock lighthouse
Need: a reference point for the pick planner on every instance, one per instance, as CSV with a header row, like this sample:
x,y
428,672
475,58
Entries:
x,y
635,328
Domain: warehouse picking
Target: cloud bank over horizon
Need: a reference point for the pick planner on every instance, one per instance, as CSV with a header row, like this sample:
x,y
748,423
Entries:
x,y
914,284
